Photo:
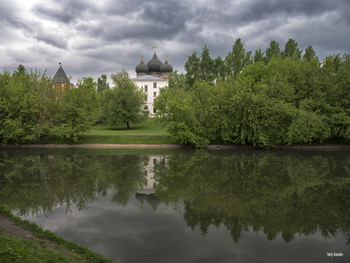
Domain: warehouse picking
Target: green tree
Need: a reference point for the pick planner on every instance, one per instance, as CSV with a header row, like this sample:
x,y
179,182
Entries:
x,y
273,51
206,66
237,59
77,110
309,54
291,50
124,103
21,106
258,56
102,83
192,67
220,69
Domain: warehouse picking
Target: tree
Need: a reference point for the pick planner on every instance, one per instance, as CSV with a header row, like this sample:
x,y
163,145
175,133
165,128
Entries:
x,y
77,111
124,103
273,51
220,69
237,59
192,66
309,54
206,66
21,106
291,50
102,83
258,56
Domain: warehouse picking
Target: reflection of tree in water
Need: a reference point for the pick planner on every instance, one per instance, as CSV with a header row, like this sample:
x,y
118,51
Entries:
x,y
150,198
40,180
273,192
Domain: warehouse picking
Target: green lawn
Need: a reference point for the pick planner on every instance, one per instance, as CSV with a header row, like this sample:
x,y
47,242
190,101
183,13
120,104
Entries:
x,y
150,127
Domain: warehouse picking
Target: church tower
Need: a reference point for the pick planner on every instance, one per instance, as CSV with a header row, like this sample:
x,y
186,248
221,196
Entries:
x,y
60,80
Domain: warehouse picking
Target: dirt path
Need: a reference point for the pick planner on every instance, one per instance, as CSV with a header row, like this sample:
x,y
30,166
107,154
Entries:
x,y
11,228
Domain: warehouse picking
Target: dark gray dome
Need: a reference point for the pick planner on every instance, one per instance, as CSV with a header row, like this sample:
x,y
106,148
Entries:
x,y
154,64
166,67
141,68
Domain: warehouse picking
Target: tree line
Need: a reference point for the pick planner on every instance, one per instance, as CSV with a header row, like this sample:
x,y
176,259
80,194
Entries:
x,y
269,98
32,108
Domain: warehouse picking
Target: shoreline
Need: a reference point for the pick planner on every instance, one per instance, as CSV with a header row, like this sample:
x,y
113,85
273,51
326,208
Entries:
x,y
177,146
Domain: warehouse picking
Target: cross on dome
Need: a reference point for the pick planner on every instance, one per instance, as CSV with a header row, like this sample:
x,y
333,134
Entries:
x,y
155,49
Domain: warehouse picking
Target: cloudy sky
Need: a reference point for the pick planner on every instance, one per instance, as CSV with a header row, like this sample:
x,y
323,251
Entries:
x,y
91,38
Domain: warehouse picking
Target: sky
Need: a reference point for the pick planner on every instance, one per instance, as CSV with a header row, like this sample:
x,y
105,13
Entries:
x,y
91,37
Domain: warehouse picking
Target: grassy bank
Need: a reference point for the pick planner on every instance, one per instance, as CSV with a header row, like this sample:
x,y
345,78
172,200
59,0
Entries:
x,y
15,249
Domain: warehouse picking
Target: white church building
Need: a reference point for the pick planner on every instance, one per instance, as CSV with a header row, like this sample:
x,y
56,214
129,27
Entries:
x,y
151,77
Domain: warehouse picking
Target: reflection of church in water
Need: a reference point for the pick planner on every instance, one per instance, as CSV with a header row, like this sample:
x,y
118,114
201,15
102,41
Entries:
x,y
147,193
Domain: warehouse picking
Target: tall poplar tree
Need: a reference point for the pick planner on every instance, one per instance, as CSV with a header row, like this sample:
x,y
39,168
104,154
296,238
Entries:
x,y
273,51
237,59
291,50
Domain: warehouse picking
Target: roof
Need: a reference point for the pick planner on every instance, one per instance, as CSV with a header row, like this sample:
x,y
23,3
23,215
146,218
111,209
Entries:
x,y
154,64
60,76
148,77
141,68
166,67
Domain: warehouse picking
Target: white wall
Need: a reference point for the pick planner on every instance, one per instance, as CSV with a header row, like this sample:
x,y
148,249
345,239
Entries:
x,y
150,91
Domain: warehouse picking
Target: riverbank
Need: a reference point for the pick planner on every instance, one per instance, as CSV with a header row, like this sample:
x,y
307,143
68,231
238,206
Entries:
x,y
23,241
177,146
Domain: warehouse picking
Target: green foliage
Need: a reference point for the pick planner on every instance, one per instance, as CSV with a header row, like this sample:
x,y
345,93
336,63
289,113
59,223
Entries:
x,y
309,53
102,83
124,103
273,51
291,50
237,59
22,100
279,99
77,111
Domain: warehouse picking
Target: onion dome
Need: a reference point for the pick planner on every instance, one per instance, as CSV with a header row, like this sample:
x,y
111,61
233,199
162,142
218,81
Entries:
x,y
154,64
166,67
142,67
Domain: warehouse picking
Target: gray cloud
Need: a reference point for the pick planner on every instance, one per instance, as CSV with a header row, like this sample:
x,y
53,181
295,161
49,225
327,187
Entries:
x,y
108,35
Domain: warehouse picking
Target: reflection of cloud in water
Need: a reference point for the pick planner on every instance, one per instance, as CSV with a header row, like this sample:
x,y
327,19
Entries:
x,y
131,234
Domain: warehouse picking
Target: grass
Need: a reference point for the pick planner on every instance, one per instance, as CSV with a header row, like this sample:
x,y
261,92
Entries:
x,y
148,127
13,249
147,132
113,139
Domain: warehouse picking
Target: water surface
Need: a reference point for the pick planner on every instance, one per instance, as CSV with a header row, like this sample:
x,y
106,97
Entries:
x,y
187,206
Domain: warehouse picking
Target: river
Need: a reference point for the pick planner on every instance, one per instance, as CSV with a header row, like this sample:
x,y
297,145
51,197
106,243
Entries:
x,y
186,206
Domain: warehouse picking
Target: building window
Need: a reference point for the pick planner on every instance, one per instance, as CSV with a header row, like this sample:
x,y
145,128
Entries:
x,y
155,85
146,88
154,94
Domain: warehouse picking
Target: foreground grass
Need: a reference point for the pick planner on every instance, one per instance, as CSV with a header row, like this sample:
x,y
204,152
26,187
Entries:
x,y
13,249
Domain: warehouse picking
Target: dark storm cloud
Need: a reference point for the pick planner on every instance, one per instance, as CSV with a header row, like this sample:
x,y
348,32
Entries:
x,y
110,35
265,9
149,21
63,11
